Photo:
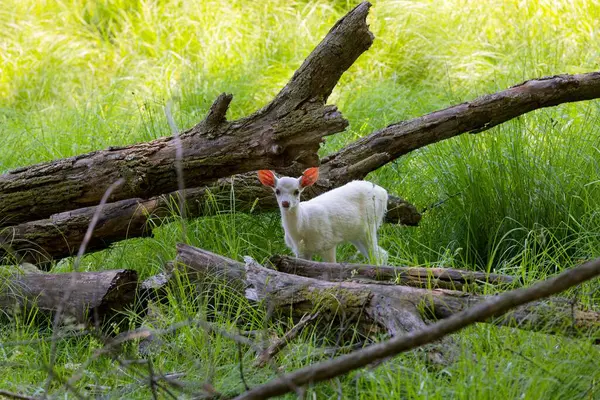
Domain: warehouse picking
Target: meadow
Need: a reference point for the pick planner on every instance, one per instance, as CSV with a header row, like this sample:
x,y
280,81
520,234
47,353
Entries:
x,y
523,197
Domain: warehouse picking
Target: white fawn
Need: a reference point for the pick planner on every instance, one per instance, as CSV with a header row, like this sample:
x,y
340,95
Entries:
x,y
351,213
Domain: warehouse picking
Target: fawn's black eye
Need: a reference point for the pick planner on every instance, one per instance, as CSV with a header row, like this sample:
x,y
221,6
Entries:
x,y
277,192
296,192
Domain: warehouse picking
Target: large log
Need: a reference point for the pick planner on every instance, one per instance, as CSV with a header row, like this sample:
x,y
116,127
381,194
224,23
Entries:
x,y
395,308
87,297
287,130
60,235
440,330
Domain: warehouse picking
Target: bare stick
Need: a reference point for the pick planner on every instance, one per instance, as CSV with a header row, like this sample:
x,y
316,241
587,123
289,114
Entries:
x,y
491,308
445,278
267,354
11,395
92,225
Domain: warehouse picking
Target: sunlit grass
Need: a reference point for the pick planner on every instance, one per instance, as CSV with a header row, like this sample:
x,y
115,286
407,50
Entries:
x,y
81,75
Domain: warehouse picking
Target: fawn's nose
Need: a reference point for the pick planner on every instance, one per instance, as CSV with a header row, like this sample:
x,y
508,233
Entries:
x,y
285,204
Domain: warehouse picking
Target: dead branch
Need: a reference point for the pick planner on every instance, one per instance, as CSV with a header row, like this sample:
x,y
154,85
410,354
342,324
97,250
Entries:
x,y
10,395
493,307
60,235
267,354
474,116
289,129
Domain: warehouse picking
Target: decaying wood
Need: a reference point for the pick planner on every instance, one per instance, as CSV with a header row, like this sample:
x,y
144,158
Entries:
x,y
61,235
395,308
492,307
58,236
431,278
474,116
87,297
289,129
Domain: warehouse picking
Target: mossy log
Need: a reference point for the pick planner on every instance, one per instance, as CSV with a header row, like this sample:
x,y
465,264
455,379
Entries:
x,y
83,297
394,308
288,130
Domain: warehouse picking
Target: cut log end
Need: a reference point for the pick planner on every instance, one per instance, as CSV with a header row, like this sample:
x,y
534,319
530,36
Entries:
x,y
87,297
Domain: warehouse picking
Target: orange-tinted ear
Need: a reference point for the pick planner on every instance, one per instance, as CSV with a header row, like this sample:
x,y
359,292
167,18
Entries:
x,y
309,177
266,177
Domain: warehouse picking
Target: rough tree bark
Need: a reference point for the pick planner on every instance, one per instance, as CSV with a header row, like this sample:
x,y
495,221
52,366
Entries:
x,y
88,297
493,307
289,129
397,309
431,278
475,116
60,235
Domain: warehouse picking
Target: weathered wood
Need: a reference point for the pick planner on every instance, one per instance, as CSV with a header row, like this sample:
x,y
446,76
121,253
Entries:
x,y
88,297
479,115
395,308
289,129
440,330
431,278
61,235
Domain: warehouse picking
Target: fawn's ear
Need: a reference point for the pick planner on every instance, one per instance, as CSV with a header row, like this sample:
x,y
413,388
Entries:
x,y
309,177
267,177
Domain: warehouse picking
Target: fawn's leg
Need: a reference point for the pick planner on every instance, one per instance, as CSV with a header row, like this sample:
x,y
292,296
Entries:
x,y
380,254
361,245
329,255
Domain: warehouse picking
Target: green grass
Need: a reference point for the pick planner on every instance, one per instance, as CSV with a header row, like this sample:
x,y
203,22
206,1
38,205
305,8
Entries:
x,y
77,76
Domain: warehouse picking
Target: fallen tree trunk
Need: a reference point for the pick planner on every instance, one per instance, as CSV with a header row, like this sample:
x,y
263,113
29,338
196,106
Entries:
x,y
61,235
430,278
396,309
475,116
440,330
88,297
289,129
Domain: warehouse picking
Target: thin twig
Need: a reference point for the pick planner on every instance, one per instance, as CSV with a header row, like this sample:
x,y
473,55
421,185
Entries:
x,y
11,395
95,218
152,380
493,307
267,354
143,333
241,366
537,365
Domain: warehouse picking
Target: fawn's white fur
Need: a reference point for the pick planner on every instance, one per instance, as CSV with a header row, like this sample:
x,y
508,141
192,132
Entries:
x,y
351,213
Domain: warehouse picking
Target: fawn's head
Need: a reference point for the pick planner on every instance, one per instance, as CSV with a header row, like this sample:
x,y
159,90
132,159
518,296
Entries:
x,y
287,190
